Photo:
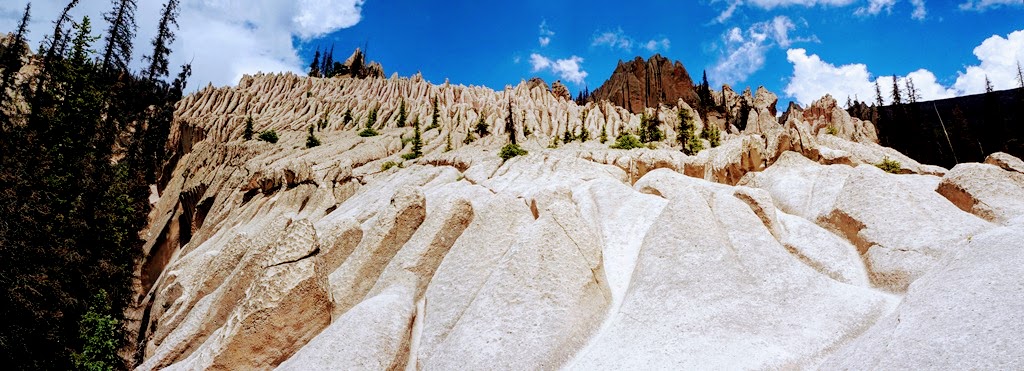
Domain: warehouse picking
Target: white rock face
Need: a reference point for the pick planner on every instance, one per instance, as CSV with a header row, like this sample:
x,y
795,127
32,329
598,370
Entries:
x,y
782,248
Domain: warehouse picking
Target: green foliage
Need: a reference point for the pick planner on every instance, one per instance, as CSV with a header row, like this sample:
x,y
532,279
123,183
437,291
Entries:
x,y
371,118
347,117
448,142
568,136
482,129
584,134
101,336
469,137
417,143
77,158
831,130
248,132
268,136
388,165
511,150
402,115
323,121
554,142
604,135
435,117
368,132
312,140
690,143
712,134
890,166
649,129
627,141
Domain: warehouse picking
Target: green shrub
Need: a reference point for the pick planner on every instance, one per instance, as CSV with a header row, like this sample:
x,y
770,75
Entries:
x,y
694,145
691,145
388,165
604,135
101,337
831,130
890,166
312,140
410,156
627,141
268,136
712,134
482,129
402,114
448,142
511,150
368,132
649,129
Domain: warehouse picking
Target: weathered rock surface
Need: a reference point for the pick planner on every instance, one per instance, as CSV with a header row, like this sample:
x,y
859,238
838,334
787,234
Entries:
x,y
640,84
782,248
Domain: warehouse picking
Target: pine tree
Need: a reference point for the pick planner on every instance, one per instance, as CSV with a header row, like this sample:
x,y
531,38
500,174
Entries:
x,y
314,68
896,99
402,114
878,95
510,126
690,143
912,94
158,61
10,57
248,132
327,65
311,139
435,116
988,85
1020,75
118,51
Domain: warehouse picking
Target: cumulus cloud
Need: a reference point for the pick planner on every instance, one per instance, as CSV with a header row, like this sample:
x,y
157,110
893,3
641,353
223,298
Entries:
x,y
744,50
614,39
980,5
224,40
999,57
545,34
812,77
568,69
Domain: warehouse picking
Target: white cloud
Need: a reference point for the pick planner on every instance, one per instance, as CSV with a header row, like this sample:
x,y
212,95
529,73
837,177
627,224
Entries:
x,y
224,39
545,34
999,57
981,5
744,51
813,78
655,45
873,7
567,69
616,39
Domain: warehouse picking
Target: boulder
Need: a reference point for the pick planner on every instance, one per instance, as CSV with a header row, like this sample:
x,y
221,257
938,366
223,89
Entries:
x,y
985,190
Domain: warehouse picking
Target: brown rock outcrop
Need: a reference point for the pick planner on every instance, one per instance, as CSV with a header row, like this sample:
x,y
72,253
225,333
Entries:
x,y
560,91
639,84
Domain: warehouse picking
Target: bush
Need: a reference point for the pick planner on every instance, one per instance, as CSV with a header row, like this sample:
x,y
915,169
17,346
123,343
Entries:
x,y
712,134
268,136
890,166
694,146
627,141
831,130
511,150
368,132
604,135
410,156
388,165
312,140
482,129
101,336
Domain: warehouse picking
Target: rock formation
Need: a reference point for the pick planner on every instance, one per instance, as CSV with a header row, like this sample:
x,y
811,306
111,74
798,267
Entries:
x,y
640,84
356,66
785,247
560,91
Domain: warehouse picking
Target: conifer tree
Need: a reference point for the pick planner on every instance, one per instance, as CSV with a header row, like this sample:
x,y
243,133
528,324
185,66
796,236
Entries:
x,y
314,68
248,132
510,126
117,53
988,85
1020,75
165,36
896,99
878,95
402,114
10,57
435,116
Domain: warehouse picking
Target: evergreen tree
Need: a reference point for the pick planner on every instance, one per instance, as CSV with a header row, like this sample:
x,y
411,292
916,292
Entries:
x,y
417,142
311,139
510,126
690,143
482,129
402,114
649,131
118,51
988,85
10,58
314,68
248,132
327,65
158,64
435,116
1020,72
896,99
878,95
912,94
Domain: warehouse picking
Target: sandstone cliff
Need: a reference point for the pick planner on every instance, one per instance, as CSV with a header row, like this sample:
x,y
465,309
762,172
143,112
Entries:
x,y
640,84
782,248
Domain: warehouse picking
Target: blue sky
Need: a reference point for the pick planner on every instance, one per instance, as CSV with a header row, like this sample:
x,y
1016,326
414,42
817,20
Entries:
x,y
799,49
